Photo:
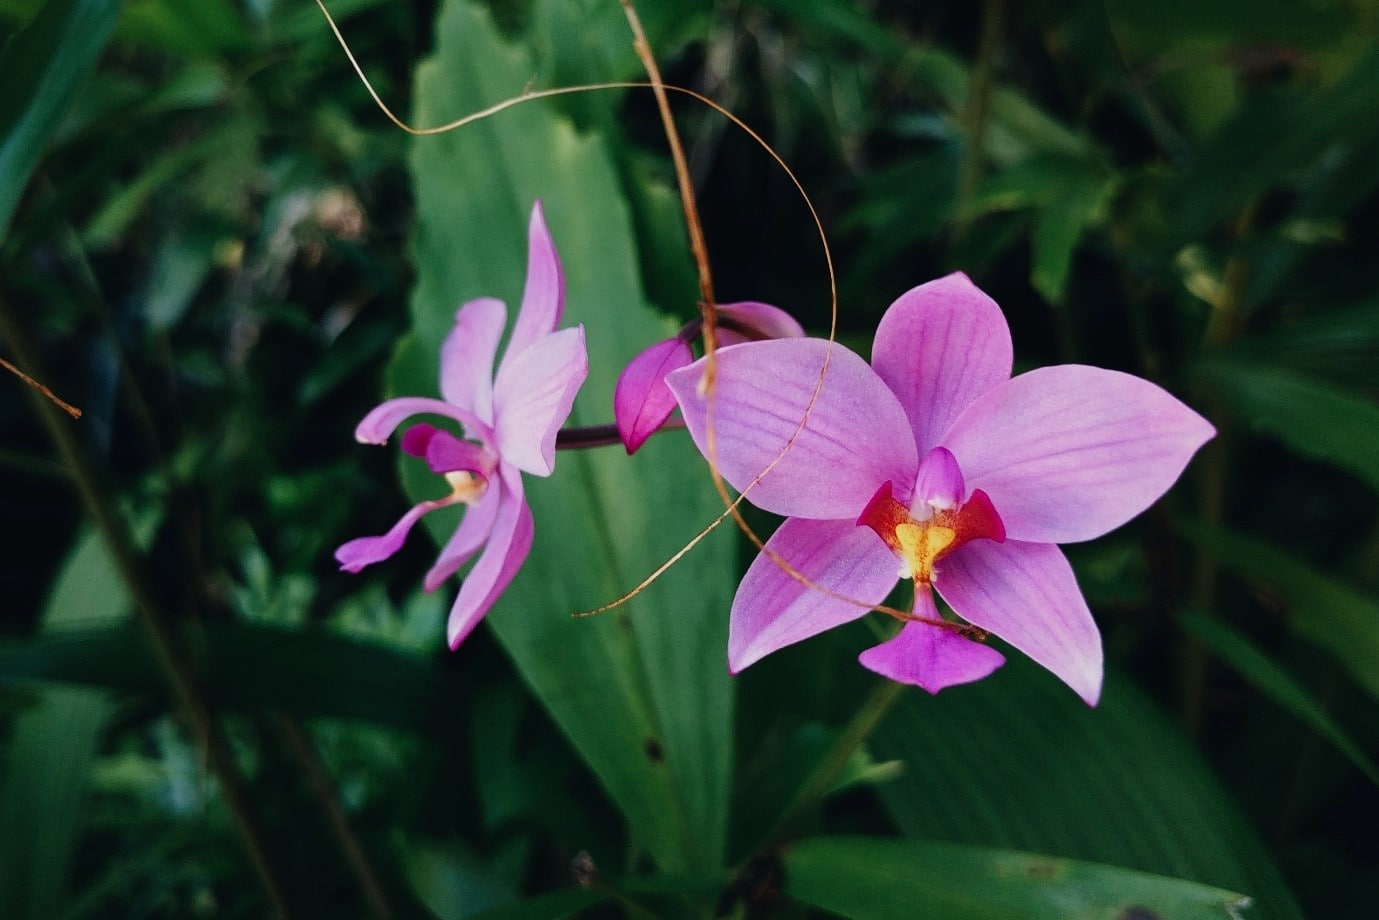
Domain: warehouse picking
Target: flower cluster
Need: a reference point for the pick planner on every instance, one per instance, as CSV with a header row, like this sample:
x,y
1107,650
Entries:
x,y
932,464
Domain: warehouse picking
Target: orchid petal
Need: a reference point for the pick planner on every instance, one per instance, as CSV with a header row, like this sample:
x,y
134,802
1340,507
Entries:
x,y
772,609
473,530
930,656
508,544
417,438
939,347
382,420
533,396
642,401
767,321
364,551
1068,453
855,439
543,299
467,356
1026,594
446,453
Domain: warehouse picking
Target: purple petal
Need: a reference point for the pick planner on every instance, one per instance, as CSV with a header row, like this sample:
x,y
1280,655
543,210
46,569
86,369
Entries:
x,y
543,300
856,438
473,530
364,551
772,609
1068,453
1026,594
931,657
939,347
642,401
380,423
767,321
508,545
446,453
533,395
939,485
417,438
467,356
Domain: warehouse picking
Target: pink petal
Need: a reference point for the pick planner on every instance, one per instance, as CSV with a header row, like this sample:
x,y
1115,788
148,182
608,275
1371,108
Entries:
x,y
533,396
856,438
508,545
467,356
772,609
930,656
379,424
417,438
768,321
939,486
1068,453
446,453
642,401
939,347
1026,594
364,551
473,530
543,300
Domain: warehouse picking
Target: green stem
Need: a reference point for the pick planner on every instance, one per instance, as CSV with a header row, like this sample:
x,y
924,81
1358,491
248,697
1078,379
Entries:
x,y
978,107
110,524
826,772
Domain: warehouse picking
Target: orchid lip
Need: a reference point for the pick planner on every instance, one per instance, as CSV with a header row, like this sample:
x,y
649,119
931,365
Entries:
x,y
921,543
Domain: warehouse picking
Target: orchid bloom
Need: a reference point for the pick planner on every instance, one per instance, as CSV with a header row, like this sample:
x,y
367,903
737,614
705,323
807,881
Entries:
x,y
642,402
935,465
510,420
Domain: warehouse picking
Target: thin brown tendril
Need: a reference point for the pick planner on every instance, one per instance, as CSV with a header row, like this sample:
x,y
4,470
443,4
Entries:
x,y
700,253
61,404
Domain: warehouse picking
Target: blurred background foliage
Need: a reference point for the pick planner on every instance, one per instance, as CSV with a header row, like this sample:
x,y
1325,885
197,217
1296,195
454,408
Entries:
x,y
214,244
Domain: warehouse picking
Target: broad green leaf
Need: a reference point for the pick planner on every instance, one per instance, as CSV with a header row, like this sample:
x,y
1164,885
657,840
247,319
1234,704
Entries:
x,y
1170,24
1018,761
642,693
44,65
872,878
1267,676
52,748
1313,418
1332,615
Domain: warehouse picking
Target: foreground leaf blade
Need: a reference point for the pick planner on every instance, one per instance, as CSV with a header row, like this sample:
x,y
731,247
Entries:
x,y
869,878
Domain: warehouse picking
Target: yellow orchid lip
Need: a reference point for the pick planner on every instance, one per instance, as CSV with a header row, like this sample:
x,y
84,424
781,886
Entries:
x,y
921,544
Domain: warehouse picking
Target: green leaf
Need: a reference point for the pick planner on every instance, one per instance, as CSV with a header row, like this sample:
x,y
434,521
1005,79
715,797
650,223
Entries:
x,y
1341,345
870,878
1018,761
1313,418
44,65
52,748
1332,615
1261,671
642,693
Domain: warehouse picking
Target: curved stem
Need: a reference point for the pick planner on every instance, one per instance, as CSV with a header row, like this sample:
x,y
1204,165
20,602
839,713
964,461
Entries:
x,y
826,772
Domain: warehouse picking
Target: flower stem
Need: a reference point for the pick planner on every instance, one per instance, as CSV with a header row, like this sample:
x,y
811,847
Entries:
x,y
600,435
826,772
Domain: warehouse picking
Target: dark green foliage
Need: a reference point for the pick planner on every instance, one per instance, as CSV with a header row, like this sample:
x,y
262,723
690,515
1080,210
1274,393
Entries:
x,y
214,244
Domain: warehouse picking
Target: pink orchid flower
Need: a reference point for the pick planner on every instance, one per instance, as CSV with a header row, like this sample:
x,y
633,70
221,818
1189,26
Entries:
x,y
934,464
510,420
641,401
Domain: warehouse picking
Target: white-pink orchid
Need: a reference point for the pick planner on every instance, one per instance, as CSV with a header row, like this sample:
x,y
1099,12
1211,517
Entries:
x,y
510,420
933,464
